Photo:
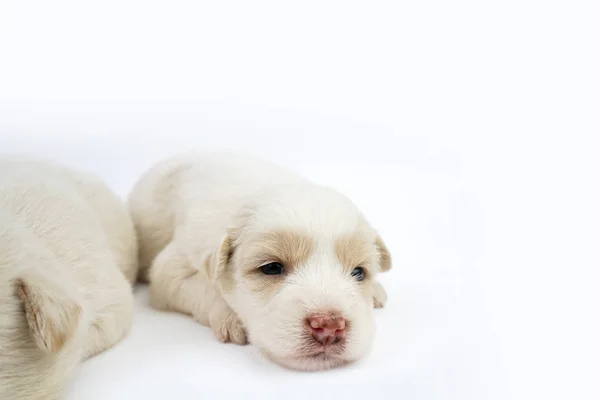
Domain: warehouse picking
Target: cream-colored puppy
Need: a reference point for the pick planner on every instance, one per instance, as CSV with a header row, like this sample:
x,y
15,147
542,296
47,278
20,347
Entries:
x,y
67,244
260,254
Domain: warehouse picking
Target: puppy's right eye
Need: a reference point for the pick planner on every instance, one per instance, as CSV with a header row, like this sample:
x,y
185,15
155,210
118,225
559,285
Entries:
x,y
273,268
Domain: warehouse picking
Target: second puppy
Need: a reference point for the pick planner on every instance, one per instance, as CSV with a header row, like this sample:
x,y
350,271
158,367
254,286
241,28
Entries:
x,y
260,254
67,258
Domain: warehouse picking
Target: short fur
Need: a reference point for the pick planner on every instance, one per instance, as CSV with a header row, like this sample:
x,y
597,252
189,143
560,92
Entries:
x,y
67,244
206,223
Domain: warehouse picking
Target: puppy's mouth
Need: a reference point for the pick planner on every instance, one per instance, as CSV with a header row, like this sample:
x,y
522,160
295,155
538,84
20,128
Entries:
x,y
316,351
330,351
323,355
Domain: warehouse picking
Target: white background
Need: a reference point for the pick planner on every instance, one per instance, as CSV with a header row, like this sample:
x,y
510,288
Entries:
x,y
467,131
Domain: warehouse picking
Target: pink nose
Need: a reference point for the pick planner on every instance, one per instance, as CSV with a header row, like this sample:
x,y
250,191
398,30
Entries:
x,y
327,329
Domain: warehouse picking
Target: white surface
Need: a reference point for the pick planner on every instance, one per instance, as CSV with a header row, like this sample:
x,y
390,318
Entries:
x,y
478,124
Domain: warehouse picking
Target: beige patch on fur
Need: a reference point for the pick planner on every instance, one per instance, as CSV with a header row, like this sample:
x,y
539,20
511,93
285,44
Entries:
x,y
289,248
355,250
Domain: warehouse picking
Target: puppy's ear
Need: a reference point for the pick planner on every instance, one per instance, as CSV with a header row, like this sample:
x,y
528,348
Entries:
x,y
51,314
222,258
385,258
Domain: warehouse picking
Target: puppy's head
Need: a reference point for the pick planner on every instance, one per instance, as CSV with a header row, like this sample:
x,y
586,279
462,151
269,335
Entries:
x,y
297,267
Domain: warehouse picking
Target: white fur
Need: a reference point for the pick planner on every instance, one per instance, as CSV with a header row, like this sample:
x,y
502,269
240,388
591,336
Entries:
x,y
193,210
66,246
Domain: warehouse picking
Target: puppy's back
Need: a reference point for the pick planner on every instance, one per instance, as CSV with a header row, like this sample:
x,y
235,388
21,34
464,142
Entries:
x,y
62,187
114,217
210,185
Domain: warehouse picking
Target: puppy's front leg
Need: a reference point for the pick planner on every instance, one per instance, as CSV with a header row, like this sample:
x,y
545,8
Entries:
x,y
177,286
226,325
379,295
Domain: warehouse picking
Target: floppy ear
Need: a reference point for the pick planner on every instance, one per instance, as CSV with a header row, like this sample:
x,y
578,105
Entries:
x,y
52,316
385,258
221,259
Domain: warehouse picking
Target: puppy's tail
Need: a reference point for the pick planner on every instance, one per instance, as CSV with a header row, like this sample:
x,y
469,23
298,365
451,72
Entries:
x,y
52,313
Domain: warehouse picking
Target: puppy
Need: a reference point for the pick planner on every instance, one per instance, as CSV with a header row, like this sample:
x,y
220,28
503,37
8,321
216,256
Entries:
x,y
68,255
260,255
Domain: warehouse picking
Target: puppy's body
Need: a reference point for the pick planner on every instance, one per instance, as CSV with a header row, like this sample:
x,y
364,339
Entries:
x,y
207,224
66,246
196,195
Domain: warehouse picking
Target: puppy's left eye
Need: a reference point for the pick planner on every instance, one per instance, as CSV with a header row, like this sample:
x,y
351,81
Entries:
x,y
358,273
273,268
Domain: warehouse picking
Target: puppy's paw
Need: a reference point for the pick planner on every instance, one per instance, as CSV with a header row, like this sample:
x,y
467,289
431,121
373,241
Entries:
x,y
379,295
228,328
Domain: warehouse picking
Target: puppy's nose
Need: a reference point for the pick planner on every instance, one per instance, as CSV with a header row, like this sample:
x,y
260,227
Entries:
x,y
327,329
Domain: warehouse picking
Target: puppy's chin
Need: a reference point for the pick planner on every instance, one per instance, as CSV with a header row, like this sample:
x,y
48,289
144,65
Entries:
x,y
316,362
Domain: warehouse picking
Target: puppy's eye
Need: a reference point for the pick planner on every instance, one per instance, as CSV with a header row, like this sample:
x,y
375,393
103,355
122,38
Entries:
x,y
358,273
273,268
